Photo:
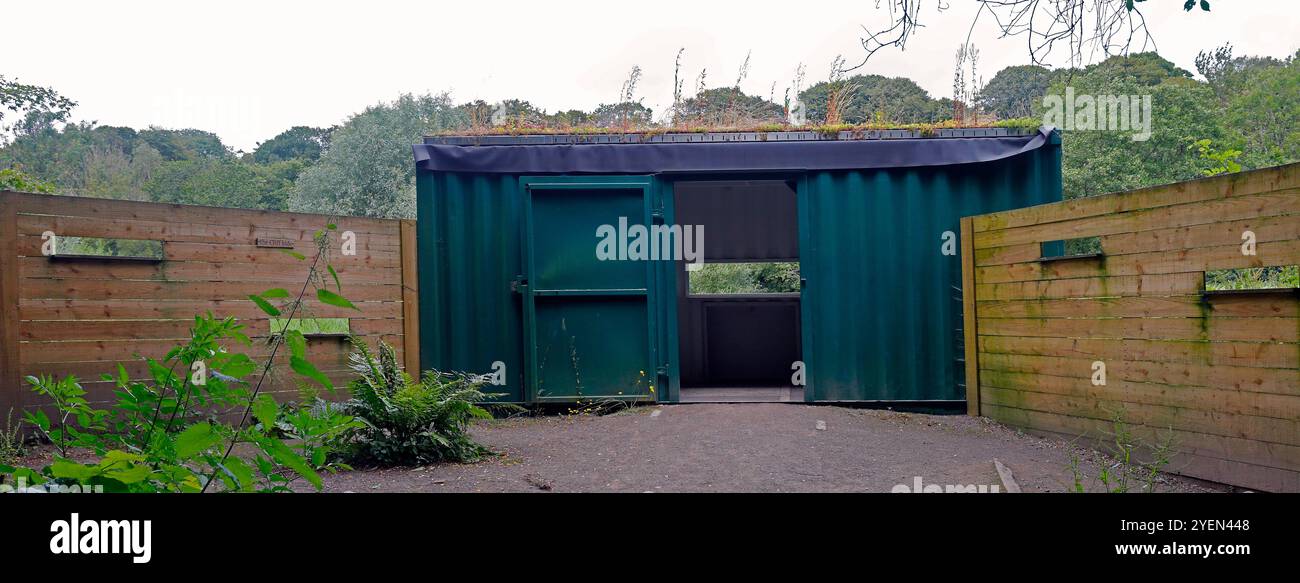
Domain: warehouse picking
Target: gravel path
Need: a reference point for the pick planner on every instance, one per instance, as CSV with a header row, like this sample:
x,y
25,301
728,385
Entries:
x,y
742,448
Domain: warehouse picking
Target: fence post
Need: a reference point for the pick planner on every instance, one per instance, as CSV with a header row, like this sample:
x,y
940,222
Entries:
x,y
10,380
410,300
971,337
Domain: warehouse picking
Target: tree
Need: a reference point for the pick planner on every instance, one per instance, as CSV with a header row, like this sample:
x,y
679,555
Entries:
x,y
186,144
18,181
728,107
1084,27
1265,112
628,115
368,170
880,99
224,183
296,143
1013,91
1098,162
572,118
86,160
36,107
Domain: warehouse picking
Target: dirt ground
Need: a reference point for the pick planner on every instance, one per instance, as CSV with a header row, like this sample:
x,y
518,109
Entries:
x,y
745,448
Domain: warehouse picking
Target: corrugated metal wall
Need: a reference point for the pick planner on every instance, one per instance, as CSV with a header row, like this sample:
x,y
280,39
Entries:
x,y
469,254
882,306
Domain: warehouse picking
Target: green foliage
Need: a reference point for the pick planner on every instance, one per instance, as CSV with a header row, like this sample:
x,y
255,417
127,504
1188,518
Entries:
x,y
18,181
310,326
877,99
1015,91
297,143
37,107
1129,463
745,278
367,170
12,447
1263,114
727,107
185,144
218,182
629,114
1220,161
1183,111
408,421
106,247
1281,277
86,160
162,434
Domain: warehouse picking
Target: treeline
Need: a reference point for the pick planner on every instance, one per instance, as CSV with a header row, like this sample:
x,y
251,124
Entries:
x,y
1245,113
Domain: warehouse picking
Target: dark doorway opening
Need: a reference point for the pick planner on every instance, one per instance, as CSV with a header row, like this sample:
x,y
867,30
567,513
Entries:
x,y
738,312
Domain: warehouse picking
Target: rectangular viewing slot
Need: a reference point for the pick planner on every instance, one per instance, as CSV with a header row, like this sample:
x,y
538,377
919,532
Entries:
x,y
313,326
1080,248
1253,279
773,277
107,248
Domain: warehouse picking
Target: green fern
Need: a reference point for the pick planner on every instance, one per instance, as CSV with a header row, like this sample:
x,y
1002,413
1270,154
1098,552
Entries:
x,y
408,421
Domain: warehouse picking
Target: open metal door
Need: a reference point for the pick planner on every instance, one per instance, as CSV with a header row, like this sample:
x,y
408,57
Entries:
x,y
589,319
807,257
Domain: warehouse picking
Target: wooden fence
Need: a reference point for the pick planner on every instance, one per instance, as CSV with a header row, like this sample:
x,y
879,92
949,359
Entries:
x,y
1219,371
62,316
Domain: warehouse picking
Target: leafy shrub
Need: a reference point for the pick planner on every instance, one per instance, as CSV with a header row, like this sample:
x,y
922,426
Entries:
x,y
164,434
408,421
1124,466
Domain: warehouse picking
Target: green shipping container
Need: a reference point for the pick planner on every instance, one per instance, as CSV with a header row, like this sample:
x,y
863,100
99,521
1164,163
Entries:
x,y
530,269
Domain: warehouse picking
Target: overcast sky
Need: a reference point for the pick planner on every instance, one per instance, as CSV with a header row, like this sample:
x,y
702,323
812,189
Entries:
x,y
248,70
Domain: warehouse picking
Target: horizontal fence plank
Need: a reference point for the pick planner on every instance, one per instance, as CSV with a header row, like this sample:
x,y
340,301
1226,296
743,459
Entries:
x,y
324,353
1184,306
74,289
1286,202
1269,254
46,331
1266,229
49,353
178,230
368,250
1261,354
1245,183
199,271
1092,287
1165,416
284,384
45,309
1213,329
1270,405
1242,378
1216,234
